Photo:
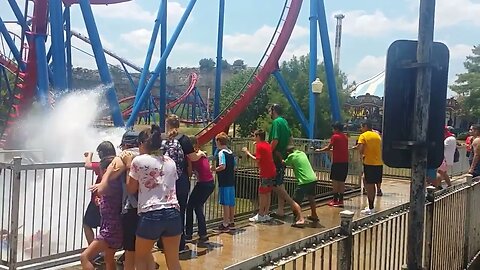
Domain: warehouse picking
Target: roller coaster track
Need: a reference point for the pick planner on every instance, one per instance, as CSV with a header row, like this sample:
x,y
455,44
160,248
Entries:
x,y
267,64
191,87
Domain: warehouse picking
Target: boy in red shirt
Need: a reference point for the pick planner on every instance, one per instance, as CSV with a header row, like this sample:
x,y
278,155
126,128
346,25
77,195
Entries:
x,y
339,171
264,157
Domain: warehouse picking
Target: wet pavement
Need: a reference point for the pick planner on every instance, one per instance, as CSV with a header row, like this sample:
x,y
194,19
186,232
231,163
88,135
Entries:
x,y
249,240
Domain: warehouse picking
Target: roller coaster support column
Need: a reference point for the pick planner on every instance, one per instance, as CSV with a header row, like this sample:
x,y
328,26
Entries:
x,y
218,71
313,67
163,72
146,92
296,108
58,45
328,61
42,69
68,45
148,59
18,14
101,62
11,45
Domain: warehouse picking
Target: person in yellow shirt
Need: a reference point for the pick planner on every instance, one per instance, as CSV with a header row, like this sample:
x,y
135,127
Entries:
x,y
370,147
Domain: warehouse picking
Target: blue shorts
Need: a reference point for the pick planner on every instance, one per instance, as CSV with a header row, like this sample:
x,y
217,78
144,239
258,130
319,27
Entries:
x,y
279,178
226,196
159,223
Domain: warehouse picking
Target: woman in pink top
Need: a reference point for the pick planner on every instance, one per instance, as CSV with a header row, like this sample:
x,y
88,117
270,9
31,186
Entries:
x,y
154,176
202,190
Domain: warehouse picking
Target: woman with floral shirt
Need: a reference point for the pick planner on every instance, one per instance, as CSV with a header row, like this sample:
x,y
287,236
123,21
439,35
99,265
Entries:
x,y
154,175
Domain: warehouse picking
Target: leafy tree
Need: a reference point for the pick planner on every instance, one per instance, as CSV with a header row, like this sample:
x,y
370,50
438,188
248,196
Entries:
x,y
207,64
239,64
248,120
467,85
295,73
226,65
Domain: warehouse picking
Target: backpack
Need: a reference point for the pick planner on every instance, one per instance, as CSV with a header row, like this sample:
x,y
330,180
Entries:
x,y
173,149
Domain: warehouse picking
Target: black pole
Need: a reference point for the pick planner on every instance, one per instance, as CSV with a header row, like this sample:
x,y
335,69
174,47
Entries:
x,y
419,153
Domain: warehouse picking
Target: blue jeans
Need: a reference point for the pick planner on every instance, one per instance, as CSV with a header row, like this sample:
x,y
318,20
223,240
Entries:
x,y
198,197
154,225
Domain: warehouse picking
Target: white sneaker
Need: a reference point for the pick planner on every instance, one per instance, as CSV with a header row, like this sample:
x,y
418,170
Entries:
x,y
266,218
256,218
367,211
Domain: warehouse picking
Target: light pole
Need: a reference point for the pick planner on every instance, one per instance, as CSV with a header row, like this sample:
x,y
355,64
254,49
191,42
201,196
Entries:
x,y
317,89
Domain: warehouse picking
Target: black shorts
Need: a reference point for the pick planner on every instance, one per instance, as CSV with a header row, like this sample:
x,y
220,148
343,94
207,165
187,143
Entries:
x,y
92,216
339,172
129,223
373,174
304,190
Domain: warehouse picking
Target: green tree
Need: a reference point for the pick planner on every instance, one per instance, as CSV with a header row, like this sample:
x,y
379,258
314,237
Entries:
x,y
467,85
248,121
206,64
239,64
226,65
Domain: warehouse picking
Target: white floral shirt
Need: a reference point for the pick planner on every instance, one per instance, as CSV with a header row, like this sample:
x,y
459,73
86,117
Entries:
x,y
156,176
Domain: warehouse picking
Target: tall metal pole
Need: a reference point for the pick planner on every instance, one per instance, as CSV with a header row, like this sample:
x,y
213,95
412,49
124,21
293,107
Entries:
x,y
338,39
312,75
102,65
68,45
419,153
163,72
328,62
218,71
58,45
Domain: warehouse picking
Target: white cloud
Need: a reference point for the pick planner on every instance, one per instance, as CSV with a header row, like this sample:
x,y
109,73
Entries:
x,y
139,38
130,10
368,67
450,12
195,48
175,11
460,51
365,24
294,50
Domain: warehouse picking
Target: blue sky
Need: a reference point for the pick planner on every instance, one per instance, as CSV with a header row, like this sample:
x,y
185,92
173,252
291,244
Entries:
x,y
369,27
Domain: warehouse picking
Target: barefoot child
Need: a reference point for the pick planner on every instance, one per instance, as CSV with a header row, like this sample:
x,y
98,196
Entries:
x,y
225,170
110,236
306,178
264,157
200,193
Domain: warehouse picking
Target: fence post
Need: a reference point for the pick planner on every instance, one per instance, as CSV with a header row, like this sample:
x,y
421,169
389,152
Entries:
x,y
344,258
13,235
469,208
429,225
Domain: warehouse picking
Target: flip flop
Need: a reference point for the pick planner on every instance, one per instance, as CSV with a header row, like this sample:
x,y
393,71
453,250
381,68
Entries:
x,y
314,219
298,225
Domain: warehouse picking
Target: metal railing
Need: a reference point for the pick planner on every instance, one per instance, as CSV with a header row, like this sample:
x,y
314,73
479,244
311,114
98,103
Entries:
x,y
452,238
43,204
458,168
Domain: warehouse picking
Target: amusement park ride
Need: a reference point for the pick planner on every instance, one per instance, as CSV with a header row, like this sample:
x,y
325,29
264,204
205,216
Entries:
x,y
39,73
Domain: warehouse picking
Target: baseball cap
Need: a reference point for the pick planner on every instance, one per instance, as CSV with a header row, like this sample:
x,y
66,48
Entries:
x,y
130,138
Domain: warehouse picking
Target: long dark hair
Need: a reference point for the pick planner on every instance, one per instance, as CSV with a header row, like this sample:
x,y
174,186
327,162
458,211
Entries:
x,y
151,137
106,152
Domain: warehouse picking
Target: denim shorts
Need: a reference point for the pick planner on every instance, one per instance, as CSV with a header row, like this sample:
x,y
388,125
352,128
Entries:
x,y
159,223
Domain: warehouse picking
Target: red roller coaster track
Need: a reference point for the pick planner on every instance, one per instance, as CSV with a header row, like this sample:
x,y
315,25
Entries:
x,y
193,81
229,115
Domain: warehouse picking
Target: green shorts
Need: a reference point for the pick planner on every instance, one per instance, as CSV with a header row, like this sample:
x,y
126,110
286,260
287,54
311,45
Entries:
x,y
304,190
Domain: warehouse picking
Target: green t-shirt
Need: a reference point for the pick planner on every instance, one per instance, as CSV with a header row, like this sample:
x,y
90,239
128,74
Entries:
x,y
302,169
280,132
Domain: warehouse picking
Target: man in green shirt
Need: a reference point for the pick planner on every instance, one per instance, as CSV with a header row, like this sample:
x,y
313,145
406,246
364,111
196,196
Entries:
x,y
280,137
306,178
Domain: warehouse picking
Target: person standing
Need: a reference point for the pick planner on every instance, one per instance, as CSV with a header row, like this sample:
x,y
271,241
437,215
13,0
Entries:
x,y
339,170
475,167
450,145
370,147
280,137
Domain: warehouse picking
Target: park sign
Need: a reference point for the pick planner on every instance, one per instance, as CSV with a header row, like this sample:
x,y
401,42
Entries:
x,y
399,103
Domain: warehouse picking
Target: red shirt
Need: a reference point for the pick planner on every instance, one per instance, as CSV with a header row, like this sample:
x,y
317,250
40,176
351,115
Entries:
x,y
264,158
339,142
98,172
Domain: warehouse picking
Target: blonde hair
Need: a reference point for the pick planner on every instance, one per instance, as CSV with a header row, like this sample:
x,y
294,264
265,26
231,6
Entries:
x,y
173,123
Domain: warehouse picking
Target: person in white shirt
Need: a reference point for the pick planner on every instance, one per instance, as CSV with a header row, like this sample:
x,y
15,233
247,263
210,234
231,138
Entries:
x,y
154,176
450,145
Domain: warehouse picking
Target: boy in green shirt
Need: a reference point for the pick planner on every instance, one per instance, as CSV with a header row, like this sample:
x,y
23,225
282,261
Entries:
x,y
306,178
